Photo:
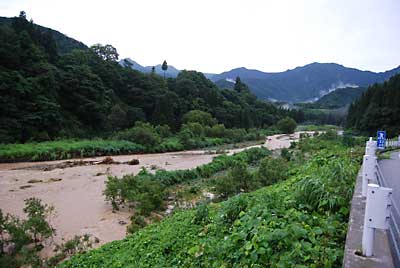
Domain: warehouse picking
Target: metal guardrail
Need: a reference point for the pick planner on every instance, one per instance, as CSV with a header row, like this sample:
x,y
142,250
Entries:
x,y
378,199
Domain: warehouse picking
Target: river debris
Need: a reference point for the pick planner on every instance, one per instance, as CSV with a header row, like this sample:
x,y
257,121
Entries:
x,y
54,180
68,164
133,162
35,181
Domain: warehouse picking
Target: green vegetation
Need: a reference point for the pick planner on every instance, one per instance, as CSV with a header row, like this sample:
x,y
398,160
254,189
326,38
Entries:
x,y
377,109
316,127
286,125
296,222
64,149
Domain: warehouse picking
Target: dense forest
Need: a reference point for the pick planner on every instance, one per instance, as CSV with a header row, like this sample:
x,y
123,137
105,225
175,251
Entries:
x,y
49,93
378,108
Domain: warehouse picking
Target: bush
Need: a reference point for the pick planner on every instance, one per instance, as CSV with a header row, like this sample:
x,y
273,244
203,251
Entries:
x,y
142,133
285,154
287,125
137,222
201,215
272,170
144,190
239,179
232,210
197,116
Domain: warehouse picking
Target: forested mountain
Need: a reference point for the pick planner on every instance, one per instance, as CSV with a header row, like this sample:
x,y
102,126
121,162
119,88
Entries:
x,y
339,98
302,83
63,43
378,108
47,93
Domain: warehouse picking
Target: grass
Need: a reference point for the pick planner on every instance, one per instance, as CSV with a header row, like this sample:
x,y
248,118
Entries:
x,y
316,127
64,149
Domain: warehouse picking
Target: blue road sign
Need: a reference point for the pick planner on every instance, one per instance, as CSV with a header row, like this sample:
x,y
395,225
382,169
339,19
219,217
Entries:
x,y
381,139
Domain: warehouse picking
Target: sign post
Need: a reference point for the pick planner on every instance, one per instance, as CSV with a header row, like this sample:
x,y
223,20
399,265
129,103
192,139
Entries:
x,y
381,139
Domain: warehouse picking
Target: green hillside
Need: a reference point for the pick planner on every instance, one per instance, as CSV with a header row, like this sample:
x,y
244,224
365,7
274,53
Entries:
x,y
378,108
299,222
340,97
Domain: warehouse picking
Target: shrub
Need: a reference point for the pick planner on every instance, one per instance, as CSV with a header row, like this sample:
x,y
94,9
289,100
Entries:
x,y
272,170
144,190
201,215
196,129
287,125
285,154
137,222
141,133
239,179
216,131
197,116
231,211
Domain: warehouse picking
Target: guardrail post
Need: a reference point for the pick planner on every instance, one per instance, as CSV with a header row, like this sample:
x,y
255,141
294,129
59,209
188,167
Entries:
x,y
377,215
368,171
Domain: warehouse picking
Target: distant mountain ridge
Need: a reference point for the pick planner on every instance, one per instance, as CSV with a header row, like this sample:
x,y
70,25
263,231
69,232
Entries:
x,y
301,84
305,83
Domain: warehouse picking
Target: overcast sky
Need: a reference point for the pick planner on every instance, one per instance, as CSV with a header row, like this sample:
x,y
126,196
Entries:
x,y
218,35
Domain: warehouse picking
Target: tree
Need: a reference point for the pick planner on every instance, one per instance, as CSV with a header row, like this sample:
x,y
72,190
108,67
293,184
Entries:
x,y
107,52
240,87
164,67
37,219
287,125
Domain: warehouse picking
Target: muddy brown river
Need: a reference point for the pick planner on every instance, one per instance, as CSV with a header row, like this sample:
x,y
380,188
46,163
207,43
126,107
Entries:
x,y
76,192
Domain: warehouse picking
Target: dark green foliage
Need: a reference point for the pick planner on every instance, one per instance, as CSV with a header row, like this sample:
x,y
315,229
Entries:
x,y
137,223
286,154
287,125
377,109
239,179
202,214
142,133
197,116
272,170
144,189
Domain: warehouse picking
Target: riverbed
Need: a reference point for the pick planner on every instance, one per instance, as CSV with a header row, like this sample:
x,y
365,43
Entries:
x,y
76,191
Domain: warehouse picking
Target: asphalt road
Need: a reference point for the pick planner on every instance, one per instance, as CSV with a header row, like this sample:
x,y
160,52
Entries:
x,y
391,172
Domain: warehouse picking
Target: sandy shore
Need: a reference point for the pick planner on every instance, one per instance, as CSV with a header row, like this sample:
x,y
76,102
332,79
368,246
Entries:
x,y
76,192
